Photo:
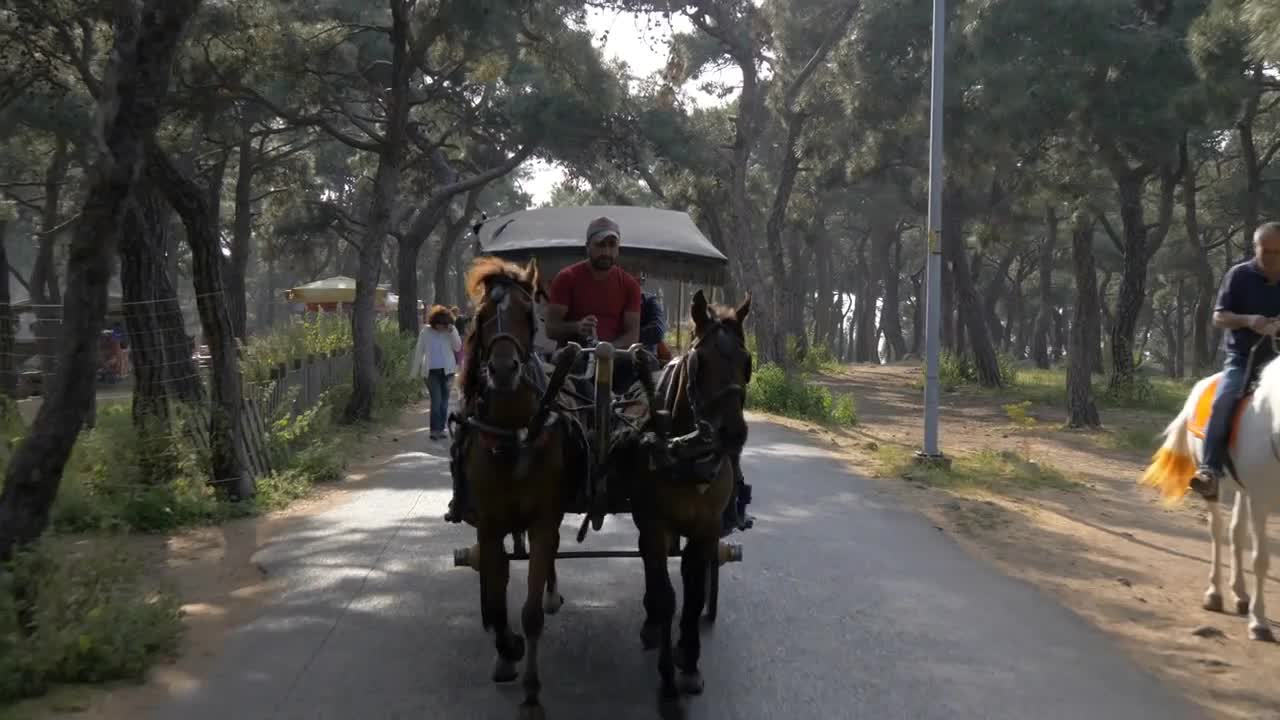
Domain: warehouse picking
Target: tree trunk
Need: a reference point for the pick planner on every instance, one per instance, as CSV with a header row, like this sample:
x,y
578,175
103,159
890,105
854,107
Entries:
x,y
454,231
1253,165
8,374
891,309
1082,411
984,354
947,295
917,314
1140,245
241,238
386,185
200,218
407,249
824,310
159,349
45,296
1202,319
1040,339
129,111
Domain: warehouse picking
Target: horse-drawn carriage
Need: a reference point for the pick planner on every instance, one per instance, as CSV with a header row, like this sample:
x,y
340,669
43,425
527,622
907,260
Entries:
x,y
674,421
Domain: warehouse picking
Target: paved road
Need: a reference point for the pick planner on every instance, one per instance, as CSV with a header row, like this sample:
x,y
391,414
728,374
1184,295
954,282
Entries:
x,y
843,608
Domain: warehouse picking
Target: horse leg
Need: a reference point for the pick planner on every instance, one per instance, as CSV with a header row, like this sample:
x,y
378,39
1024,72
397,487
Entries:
x,y
542,558
1259,628
695,562
1238,526
495,570
553,601
1213,596
660,609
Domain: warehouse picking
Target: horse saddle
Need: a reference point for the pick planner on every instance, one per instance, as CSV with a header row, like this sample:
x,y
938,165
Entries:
x,y
1204,407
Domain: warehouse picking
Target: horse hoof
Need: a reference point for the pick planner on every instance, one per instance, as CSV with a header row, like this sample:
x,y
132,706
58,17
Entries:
x,y
1212,602
691,683
504,671
650,636
552,603
514,651
1262,633
670,707
1242,605
532,712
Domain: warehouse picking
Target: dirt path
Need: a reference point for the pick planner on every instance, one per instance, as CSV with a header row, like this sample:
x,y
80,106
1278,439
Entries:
x,y
222,588
1105,547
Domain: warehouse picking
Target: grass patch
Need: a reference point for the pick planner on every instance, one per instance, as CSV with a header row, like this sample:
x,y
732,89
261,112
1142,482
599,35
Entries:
x,y
88,616
1049,386
1138,439
771,390
83,611
987,470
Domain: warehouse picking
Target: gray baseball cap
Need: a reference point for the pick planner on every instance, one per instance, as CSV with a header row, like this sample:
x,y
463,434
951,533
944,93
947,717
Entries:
x,y
602,227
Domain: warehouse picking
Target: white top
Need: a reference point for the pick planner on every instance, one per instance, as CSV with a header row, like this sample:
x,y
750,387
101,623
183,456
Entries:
x,y
435,351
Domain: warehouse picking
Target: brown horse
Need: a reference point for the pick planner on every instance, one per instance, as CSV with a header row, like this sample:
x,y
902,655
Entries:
x,y
502,385
688,500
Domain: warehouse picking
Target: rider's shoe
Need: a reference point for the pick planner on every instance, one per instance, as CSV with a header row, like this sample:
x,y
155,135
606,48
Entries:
x,y
1206,482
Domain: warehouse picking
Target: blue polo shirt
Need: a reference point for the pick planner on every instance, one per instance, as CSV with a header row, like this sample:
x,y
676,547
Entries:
x,y
1246,291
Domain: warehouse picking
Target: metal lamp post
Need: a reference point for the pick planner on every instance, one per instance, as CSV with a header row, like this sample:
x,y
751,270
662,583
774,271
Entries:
x,y
933,274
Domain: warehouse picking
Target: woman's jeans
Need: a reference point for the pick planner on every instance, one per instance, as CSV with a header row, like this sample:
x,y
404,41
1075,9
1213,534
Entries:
x,y
438,387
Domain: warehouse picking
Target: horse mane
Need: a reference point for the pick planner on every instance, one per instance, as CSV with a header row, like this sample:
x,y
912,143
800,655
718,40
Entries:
x,y
483,273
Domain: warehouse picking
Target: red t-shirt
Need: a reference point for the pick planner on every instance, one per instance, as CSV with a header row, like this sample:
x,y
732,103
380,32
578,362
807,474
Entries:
x,y
577,289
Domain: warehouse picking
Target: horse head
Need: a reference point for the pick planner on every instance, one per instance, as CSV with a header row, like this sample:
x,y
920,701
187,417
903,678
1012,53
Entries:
x,y
501,342
719,368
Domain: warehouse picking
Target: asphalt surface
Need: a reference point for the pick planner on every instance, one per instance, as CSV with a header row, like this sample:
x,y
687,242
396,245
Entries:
x,y
842,608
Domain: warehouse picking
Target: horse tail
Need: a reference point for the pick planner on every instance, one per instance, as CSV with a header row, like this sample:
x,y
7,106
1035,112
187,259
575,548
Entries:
x,y
1173,465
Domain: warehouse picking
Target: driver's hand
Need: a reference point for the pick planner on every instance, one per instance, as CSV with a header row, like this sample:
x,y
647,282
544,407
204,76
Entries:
x,y
1261,324
587,326
1272,327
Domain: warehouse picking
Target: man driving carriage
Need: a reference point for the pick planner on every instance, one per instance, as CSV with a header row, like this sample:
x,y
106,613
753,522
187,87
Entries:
x,y
1248,308
595,299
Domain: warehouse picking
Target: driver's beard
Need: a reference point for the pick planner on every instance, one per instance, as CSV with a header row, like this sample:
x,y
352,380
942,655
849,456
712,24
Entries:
x,y
602,263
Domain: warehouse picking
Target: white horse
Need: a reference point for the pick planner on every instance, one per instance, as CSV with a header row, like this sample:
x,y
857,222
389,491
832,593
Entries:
x,y
1255,454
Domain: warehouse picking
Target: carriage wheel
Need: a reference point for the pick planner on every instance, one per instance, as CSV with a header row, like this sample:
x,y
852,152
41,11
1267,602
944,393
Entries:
x,y
713,591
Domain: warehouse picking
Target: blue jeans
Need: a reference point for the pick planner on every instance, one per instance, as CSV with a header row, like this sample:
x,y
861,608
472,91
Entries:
x,y
1217,435
438,387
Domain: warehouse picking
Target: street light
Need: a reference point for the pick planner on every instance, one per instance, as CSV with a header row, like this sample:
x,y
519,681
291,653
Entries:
x,y
933,273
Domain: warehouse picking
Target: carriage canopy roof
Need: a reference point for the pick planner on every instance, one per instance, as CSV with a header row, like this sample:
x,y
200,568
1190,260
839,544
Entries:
x,y
661,243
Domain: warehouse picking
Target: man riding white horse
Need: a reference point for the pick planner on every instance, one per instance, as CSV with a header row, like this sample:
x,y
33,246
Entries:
x,y
1248,308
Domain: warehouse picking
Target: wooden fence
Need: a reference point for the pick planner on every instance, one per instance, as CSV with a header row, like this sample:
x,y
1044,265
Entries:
x,y
293,389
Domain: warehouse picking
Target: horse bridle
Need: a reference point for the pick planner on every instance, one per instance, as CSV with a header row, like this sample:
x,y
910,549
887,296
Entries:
x,y
697,405
500,295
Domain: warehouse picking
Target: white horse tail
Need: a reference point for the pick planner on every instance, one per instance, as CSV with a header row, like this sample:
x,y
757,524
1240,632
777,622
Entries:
x,y
1173,465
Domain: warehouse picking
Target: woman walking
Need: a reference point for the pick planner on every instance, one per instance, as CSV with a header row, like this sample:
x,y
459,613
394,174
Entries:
x,y
435,358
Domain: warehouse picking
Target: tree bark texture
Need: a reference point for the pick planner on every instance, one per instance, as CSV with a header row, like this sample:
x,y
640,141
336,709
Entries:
x,y
1082,411
129,108
975,324
159,350
226,427
1040,340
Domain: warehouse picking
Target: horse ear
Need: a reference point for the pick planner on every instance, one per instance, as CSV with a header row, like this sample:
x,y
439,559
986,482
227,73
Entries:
x,y
698,310
531,272
741,312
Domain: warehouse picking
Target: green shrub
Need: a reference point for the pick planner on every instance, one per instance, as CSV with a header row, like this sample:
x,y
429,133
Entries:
x,y
956,371
89,617
319,334
771,390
